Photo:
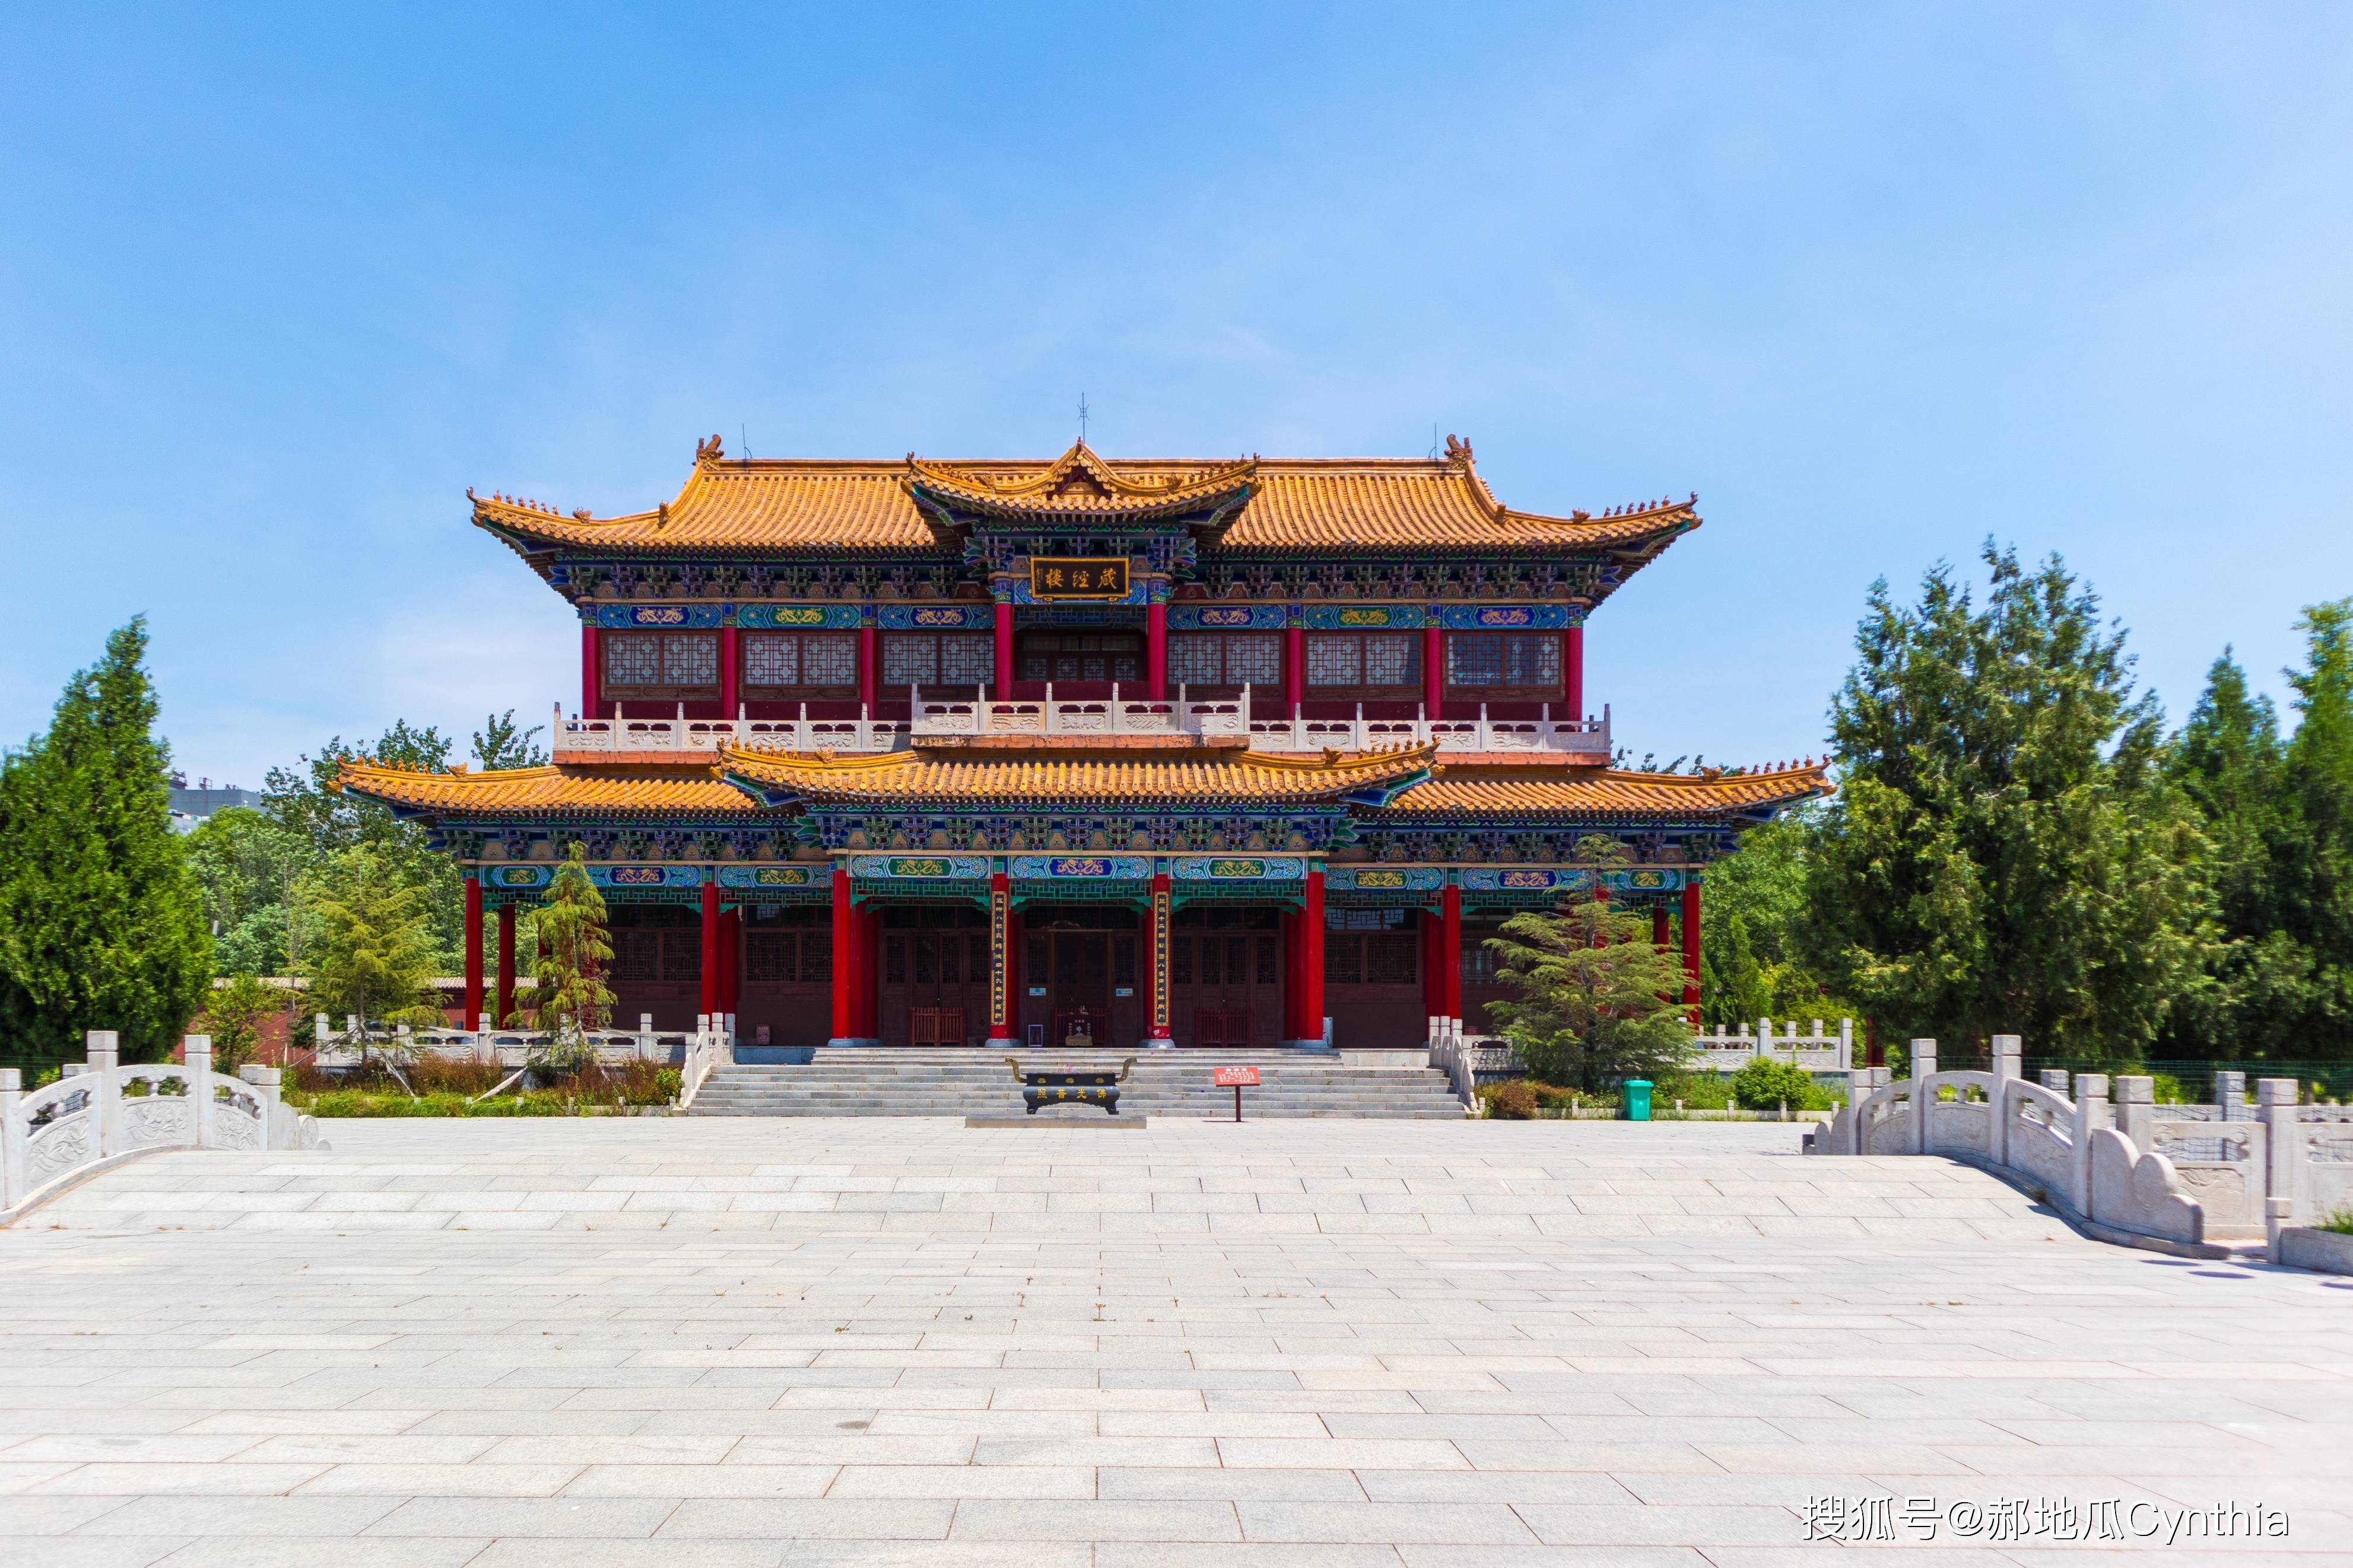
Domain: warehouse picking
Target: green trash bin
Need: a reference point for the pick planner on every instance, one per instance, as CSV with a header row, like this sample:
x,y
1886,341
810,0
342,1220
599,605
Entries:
x,y
1638,1099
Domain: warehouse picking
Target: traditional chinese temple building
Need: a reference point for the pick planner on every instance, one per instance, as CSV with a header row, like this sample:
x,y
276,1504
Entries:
x,y
1190,752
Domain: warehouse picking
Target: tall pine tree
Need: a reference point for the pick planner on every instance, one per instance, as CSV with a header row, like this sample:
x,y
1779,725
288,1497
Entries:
x,y
2004,854
101,926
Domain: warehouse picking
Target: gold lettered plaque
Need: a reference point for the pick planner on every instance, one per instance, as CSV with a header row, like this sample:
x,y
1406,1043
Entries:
x,y
1078,577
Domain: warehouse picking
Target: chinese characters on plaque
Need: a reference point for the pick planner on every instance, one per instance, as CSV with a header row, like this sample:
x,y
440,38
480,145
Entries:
x,y
1078,577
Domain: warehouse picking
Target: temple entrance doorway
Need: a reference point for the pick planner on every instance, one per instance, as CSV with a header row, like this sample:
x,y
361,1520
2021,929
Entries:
x,y
934,983
1082,966
1225,976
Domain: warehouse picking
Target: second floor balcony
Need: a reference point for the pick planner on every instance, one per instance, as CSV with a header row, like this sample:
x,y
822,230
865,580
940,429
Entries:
x,y
942,720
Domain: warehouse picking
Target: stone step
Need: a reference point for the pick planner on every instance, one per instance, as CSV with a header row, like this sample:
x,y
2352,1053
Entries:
x,y
877,1081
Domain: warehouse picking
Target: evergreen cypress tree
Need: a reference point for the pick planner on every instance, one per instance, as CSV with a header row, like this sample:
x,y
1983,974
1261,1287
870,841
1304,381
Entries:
x,y
2004,854
568,996
101,923
1595,1002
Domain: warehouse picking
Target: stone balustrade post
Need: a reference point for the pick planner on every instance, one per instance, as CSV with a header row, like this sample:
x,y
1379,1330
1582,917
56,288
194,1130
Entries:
x,y
2137,1112
2091,1116
1924,1093
12,1137
2231,1095
2275,1102
101,1052
2278,1214
267,1089
1846,1045
646,1036
196,1058
2007,1053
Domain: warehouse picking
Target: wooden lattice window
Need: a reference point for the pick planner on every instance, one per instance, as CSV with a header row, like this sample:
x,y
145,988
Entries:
x,y
1082,656
1222,663
1374,666
788,957
1504,666
667,666
1380,958
807,666
948,660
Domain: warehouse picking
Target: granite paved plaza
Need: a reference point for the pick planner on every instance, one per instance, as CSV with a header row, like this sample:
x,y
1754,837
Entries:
x,y
1326,1345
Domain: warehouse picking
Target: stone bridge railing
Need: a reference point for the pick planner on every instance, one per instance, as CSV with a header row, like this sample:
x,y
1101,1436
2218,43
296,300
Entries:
x,y
101,1113
2131,1170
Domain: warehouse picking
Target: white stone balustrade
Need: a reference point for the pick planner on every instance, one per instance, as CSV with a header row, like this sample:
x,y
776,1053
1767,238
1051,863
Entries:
x,y
100,1113
2177,1177
938,717
1815,1049
349,1046
1454,1054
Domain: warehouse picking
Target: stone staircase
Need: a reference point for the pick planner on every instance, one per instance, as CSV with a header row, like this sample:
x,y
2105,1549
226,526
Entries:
x,y
972,1082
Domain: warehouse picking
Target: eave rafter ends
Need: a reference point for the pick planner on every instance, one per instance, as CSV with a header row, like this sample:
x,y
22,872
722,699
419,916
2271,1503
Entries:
x,y
1302,507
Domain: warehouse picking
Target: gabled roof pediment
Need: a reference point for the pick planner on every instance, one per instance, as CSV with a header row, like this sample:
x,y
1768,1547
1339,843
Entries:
x,y
1081,484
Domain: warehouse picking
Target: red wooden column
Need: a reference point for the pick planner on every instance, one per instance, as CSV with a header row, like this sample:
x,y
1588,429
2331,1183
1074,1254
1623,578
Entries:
x,y
868,641
710,1001
1310,959
1572,666
731,959
845,957
1659,927
591,690
1691,946
1004,624
1004,1014
473,952
1294,671
1157,1032
503,1005
1450,950
1433,673
731,665
1156,650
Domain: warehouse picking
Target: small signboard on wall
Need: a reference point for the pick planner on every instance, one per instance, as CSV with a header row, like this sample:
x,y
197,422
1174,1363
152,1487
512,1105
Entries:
x,y
1078,576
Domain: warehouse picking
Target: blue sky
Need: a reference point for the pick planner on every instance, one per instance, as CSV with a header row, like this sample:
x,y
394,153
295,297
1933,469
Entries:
x,y
278,283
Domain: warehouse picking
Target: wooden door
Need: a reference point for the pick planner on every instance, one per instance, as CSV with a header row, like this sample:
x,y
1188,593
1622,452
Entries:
x,y
1372,978
1225,978
934,980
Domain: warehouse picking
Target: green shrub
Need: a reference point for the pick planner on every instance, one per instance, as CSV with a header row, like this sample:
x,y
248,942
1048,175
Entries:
x,y
1765,1083
2339,1220
1511,1101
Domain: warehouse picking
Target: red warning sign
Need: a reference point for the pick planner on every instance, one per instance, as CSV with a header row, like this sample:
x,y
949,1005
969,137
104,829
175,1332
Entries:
x,y
1234,1077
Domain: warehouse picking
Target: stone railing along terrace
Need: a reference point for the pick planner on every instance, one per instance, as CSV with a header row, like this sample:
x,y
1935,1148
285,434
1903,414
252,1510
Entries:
x,y
939,717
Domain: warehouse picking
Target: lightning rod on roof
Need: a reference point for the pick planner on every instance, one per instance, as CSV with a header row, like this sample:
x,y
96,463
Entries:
x,y
1083,418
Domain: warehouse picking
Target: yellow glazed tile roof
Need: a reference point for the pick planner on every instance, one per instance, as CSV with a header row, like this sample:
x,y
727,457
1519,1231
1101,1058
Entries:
x,y
1014,779
1291,503
693,791
1605,792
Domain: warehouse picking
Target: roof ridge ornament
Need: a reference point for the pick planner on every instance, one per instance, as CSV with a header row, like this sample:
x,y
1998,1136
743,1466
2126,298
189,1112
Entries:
x,y
709,452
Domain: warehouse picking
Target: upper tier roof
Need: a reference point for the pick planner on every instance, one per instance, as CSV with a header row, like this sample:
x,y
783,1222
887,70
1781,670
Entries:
x,y
791,506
